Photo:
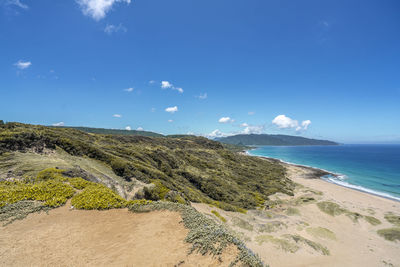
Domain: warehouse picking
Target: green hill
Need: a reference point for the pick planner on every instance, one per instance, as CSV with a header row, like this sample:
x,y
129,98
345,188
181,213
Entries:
x,y
111,131
183,168
273,140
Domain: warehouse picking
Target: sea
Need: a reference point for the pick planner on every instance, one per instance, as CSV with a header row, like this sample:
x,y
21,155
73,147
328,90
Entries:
x,y
374,169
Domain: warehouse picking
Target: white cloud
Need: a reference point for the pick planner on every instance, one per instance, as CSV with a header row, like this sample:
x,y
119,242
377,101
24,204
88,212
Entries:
x,y
225,120
244,125
216,133
128,128
152,82
180,90
130,89
23,64
202,96
153,110
166,84
253,129
17,3
117,115
284,122
305,124
61,123
170,120
97,9
139,129
110,29
251,113
172,109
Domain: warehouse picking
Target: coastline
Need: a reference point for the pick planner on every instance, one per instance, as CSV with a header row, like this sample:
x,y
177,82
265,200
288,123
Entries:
x,y
317,173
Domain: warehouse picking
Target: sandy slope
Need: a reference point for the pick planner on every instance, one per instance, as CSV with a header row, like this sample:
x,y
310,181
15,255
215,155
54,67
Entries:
x,y
100,238
351,244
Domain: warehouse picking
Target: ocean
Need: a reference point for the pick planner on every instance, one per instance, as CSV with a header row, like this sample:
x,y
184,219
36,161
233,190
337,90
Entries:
x,y
373,169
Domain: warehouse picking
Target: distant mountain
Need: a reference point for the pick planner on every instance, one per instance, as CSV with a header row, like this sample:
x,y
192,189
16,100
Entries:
x,y
112,131
273,140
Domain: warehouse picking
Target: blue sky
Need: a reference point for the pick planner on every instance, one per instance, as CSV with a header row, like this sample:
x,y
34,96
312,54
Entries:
x,y
323,69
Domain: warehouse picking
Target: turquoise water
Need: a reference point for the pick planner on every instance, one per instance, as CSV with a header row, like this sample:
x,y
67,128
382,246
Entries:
x,y
370,168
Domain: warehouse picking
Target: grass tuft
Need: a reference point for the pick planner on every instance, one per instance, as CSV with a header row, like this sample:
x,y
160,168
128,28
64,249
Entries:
x,y
391,234
219,216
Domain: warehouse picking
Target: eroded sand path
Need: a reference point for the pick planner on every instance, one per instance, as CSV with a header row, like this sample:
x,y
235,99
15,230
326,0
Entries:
x,y
67,237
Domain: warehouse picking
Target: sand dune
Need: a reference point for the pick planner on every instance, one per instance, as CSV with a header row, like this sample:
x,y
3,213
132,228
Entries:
x,y
101,238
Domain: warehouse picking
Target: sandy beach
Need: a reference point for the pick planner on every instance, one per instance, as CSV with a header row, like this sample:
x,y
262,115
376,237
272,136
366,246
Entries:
x,y
295,231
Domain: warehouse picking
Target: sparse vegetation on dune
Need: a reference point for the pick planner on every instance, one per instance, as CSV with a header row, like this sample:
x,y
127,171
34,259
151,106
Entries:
x,y
393,218
206,236
200,170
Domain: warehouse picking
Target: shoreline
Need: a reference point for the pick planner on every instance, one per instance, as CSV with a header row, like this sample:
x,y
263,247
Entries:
x,y
317,173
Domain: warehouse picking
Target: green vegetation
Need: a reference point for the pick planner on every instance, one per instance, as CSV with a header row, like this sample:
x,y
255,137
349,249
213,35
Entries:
x,y
280,243
391,234
99,197
271,227
292,211
112,131
242,224
219,216
330,208
372,220
272,140
316,246
393,218
19,210
205,235
200,170
53,193
321,233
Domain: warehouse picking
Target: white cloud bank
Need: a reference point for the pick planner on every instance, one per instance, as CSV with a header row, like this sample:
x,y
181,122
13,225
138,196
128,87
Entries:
x,y
284,122
172,109
139,129
225,120
117,115
61,123
128,128
23,64
97,9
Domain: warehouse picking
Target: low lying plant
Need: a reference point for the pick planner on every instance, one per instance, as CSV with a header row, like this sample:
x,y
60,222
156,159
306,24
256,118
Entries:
x,y
205,235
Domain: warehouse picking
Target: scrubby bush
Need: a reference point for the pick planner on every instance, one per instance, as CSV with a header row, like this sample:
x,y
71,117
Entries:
x,y
156,192
53,193
97,196
391,234
79,183
50,174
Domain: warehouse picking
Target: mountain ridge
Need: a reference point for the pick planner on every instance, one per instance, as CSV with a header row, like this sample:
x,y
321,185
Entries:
x,y
272,140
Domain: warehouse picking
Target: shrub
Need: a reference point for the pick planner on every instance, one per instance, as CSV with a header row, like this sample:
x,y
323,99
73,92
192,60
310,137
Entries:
x,y
50,174
52,192
79,183
97,196
156,192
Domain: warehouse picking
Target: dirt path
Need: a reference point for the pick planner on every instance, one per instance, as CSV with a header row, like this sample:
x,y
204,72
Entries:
x,y
100,238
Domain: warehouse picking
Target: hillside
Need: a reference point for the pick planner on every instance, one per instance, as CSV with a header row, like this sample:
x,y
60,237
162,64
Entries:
x,y
179,169
273,140
111,131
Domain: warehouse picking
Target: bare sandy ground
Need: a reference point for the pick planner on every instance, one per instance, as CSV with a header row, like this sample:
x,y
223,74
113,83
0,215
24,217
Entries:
x,y
101,238
350,243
